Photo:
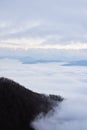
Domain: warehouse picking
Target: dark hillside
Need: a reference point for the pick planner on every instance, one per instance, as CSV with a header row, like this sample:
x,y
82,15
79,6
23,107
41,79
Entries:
x,y
19,106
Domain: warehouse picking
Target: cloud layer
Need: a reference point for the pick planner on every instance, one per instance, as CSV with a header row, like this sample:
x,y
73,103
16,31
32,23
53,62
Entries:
x,y
57,22
69,82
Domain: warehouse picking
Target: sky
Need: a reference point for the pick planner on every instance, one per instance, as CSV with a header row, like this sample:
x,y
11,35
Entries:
x,y
44,24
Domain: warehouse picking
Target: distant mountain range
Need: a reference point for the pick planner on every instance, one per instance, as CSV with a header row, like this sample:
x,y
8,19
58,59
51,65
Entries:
x,y
30,60
77,63
33,56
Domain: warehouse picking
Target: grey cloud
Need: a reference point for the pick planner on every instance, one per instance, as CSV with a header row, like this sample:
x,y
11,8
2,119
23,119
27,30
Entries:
x,y
63,18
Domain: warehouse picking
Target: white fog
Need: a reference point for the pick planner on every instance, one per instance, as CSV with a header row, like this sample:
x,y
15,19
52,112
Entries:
x,y
54,78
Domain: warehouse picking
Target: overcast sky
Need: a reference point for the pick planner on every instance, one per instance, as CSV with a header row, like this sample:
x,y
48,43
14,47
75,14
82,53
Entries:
x,y
58,24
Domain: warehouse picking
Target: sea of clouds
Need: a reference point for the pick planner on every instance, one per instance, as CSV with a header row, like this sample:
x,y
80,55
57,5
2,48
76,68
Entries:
x,y
67,81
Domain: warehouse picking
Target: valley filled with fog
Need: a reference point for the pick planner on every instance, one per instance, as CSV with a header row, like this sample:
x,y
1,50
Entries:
x,y
60,78
43,46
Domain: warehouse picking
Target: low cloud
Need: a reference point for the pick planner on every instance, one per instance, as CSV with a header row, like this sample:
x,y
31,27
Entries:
x,y
71,114
53,78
